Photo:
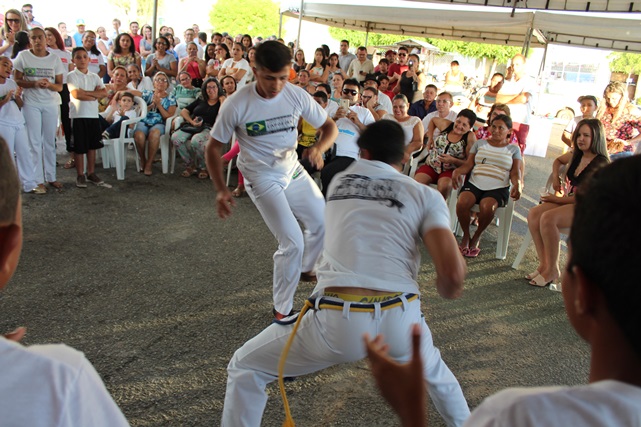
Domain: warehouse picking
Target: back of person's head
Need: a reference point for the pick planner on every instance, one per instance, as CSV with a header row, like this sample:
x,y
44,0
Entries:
x,y
273,56
328,88
21,43
320,94
9,187
604,238
501,107
385,142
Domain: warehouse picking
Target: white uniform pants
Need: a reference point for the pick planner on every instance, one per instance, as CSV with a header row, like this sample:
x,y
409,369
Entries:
x,y
329,337
18,142
297,250
42,121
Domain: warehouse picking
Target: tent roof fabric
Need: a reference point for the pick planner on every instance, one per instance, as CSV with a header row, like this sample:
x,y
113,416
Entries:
x,y
567,5
484,24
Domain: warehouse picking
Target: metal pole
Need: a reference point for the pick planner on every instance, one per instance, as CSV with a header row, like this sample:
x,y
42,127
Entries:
x,y
300,23
153,26
526,43
280,26
366,34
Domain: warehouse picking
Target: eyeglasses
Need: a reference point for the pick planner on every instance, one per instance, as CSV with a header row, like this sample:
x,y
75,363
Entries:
x,y
15,21
402,54
90,38
161,44
350,92
162,80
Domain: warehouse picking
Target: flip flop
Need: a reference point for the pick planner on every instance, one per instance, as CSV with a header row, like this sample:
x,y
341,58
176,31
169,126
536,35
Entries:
x,y
188,172
463,249
70,164
540,281
472,252
203,174
532,275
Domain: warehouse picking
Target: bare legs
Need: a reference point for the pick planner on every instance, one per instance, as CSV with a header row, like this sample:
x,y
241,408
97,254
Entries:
x,y
443,185
153,141
544,222
487,208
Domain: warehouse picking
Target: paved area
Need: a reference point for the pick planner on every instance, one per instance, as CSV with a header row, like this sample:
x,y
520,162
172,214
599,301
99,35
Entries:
x,y
159,292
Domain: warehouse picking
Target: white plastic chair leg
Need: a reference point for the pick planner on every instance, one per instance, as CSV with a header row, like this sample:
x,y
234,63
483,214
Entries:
x,y
527,239
229,167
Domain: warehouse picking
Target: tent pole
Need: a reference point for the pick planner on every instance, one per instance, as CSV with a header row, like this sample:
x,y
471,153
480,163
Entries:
x,y
280,25
300,23
155,19
526,43
366,34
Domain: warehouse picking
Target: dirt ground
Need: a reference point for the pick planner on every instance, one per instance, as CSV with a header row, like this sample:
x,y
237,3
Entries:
x,y
158,293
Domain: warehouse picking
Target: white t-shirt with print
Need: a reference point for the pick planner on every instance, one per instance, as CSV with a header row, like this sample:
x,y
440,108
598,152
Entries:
x,y
65,58
35,68
604,403
10,114
95,61
348,132
240,65
267,130
363,197
492,165
89,81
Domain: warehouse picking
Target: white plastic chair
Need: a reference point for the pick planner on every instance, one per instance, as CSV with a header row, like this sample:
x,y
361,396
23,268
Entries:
x,y
167,149
114,152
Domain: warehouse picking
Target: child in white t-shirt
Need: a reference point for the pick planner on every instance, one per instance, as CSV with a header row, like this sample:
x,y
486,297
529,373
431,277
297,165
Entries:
x,y
589,105
13,130
125,111
86,88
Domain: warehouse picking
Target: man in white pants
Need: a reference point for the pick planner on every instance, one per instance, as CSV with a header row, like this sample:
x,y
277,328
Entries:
x,y
366,283
264,116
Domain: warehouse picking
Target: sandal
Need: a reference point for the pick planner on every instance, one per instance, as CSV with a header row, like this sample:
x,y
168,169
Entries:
x,y
238,192
532,275
55,184
203,174
540,281
472,252
188,172
70,164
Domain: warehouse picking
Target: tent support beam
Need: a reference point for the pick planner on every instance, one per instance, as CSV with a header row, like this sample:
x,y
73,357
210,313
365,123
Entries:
x,y
300,23
280,25
366,34
526,43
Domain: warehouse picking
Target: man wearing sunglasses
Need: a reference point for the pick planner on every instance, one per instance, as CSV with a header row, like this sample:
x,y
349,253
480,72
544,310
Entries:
x,y
27,11
350,122
395,70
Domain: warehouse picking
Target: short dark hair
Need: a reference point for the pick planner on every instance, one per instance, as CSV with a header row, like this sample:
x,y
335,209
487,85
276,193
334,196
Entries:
x,y
370,78
203,88
320,94
351,82
432,86
362,48
385,142
383,61
202,36
76,50
371,89
505,119
9,186
273,56
498,74
325,86
133,22
603,236
455,62
468,114
382,77
127,94
304,71
403,48
345,41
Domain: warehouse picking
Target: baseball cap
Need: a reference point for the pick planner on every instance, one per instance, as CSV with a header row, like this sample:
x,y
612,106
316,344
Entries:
x,y
389,52
588,97
80,21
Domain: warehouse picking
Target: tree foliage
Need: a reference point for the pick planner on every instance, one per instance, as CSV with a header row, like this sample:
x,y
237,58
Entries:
x,y
629,63
254,17
139,10
474,50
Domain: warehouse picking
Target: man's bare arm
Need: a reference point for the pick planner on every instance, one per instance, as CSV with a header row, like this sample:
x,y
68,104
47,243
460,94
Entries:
x,y
448,262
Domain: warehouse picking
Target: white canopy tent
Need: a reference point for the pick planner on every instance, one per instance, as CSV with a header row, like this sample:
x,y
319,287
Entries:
x,y
567,5
484,24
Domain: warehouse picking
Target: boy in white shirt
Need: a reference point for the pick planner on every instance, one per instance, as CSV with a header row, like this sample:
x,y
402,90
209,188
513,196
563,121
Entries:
x,y
124,112
589,105
86,88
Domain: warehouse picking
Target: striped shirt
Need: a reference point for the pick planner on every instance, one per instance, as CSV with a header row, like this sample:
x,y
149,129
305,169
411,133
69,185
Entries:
x,y
492,165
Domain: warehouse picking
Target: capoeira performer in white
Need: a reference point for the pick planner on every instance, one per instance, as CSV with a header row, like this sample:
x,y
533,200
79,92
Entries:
x,y
376,218
264,117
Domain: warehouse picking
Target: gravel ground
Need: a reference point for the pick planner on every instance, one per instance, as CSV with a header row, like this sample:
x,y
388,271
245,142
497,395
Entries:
x,y
158,292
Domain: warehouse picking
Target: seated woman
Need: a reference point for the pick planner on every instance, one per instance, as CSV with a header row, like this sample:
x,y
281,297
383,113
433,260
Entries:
x,y
229,85
493,164
449,151
496,110
136,80
200,114
160,106
236,66
185,93
214,64
557,211
412,126
161,60
621,120
193,65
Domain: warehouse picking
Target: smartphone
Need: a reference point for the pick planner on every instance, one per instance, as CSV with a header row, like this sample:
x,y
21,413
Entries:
x,y
410,63
344,103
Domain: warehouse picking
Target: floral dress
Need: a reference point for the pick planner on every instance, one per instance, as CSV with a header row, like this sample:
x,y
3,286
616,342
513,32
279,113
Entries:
x,y
443,146
153,115
626,127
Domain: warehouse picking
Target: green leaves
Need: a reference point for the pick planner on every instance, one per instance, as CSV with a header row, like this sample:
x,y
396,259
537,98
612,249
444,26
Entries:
x,y
253,17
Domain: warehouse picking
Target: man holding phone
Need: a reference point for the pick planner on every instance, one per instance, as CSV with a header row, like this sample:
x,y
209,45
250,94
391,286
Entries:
x,y
351,120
